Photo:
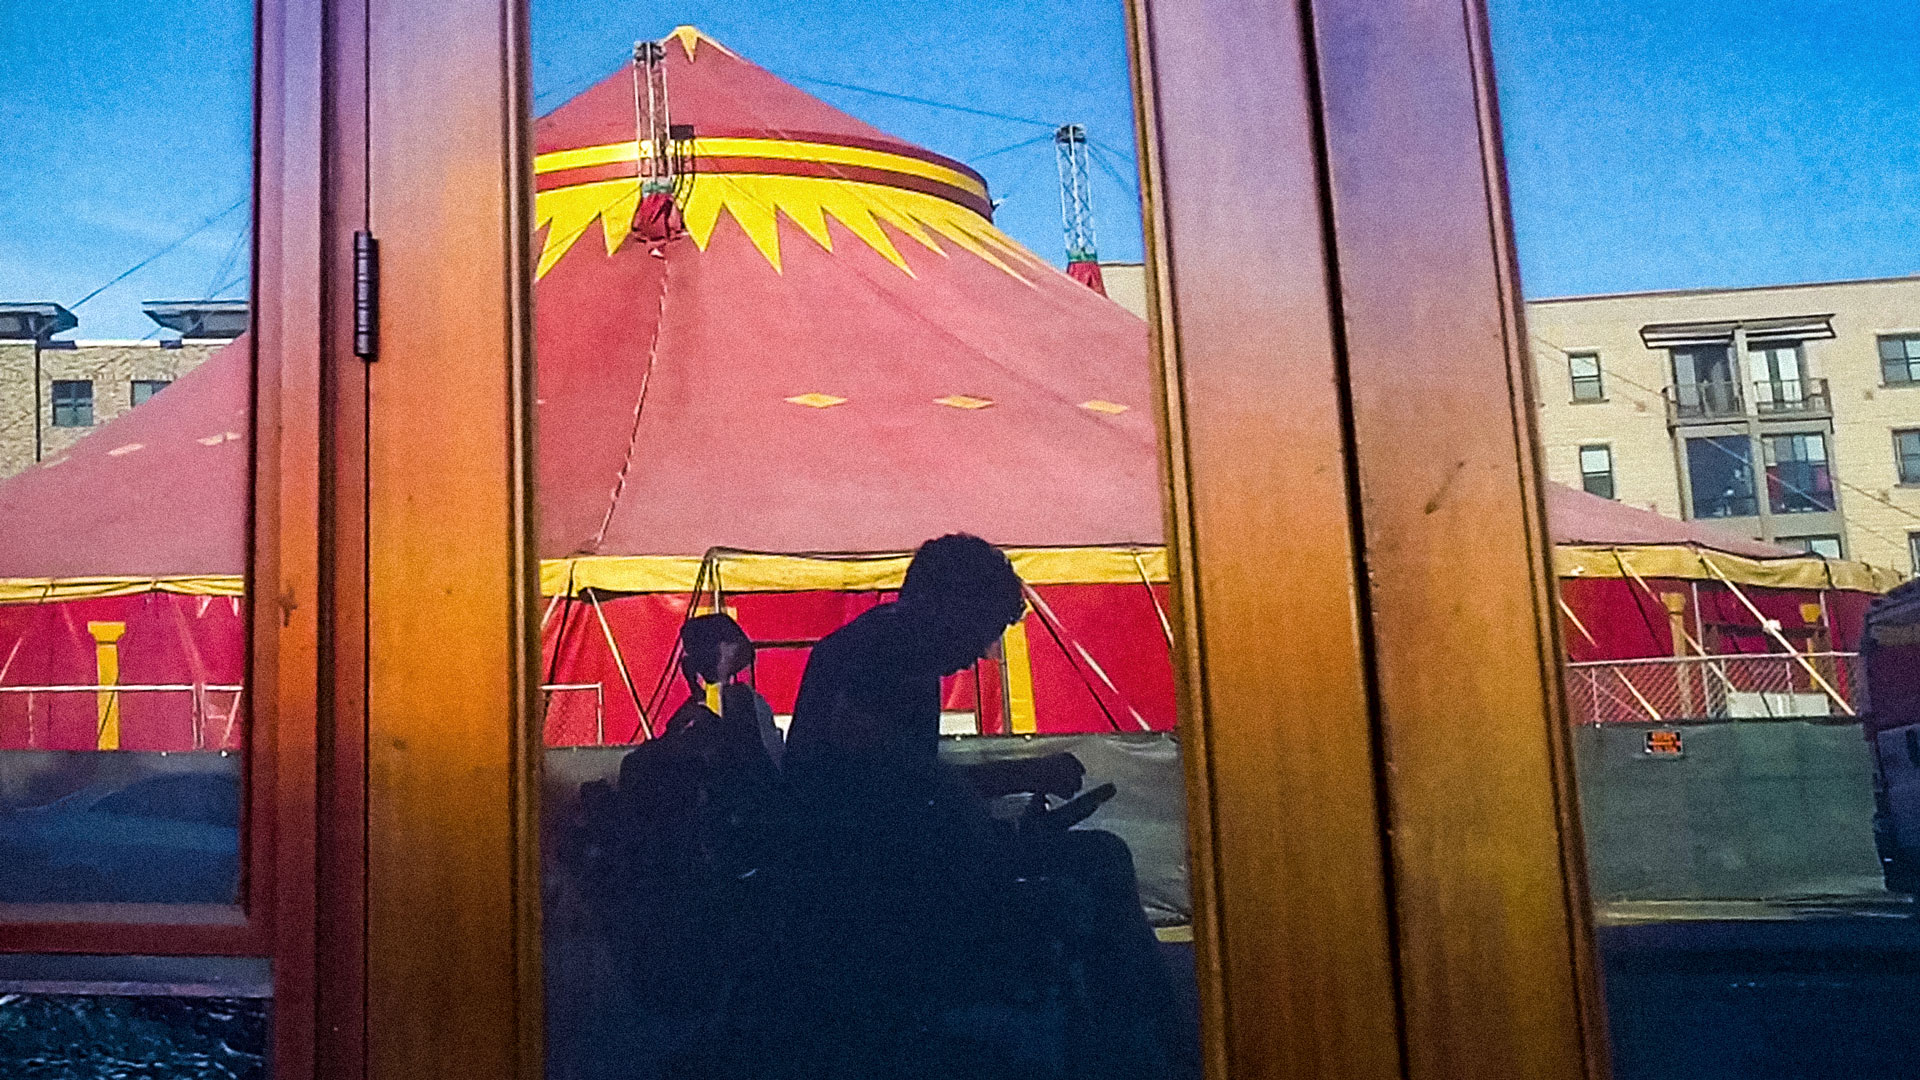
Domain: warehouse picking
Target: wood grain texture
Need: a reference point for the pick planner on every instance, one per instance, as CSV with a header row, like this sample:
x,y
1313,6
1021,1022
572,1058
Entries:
x,y
1489,895
285,575
448,586
1290,896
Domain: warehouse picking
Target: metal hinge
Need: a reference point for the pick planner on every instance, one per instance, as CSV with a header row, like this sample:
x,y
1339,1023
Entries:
x,y
366,295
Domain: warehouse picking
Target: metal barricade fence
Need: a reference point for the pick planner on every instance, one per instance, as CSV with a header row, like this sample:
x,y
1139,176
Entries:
x,y
1772,686
549,722
203,714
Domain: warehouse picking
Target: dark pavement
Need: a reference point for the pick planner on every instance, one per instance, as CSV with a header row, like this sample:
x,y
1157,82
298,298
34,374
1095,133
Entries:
x,y
1746,992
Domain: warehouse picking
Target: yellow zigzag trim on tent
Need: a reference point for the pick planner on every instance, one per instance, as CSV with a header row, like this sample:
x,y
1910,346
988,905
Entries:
x,y
757,202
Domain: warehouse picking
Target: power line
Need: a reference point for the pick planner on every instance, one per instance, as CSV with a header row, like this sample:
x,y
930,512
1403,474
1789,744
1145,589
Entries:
x,y
1112,149
1099,158
978,158
929,102
226,263
136,267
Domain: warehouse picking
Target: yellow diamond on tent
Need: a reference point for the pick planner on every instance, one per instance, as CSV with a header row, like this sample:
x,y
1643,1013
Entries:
x,y
1099,406
818,401
962,401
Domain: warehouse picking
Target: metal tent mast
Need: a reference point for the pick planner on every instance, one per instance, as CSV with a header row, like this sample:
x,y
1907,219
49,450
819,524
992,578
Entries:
x,y
1076,206
663,148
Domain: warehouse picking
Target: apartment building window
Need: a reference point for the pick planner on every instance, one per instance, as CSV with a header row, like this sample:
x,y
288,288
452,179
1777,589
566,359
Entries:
x,y
1907,449
146,388
1596,470
1779,377
1703,382
1913,553
1799,480
1584,368
73,403
1826,546
1720,471
1900,359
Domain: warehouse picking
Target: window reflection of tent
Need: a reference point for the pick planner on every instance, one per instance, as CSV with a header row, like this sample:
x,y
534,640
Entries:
x,y
1638,586
837,357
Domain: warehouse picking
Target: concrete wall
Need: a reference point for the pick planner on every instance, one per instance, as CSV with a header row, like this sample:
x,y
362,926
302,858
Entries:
x,y
1772,810
1126,285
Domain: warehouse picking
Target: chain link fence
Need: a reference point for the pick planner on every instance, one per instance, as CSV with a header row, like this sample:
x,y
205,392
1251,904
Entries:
x,y
1703,688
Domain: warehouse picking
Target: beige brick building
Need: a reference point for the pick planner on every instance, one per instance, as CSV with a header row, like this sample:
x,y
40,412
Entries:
x,y
55,392
1788,413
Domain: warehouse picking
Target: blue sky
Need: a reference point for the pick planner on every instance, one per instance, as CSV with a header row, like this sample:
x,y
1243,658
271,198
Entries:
x,y
1651,143
124,124
1657,144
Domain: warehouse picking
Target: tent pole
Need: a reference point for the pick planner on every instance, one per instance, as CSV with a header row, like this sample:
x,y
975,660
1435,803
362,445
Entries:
x,y
619,661
1166,627
1058,631
1717,670
1773,627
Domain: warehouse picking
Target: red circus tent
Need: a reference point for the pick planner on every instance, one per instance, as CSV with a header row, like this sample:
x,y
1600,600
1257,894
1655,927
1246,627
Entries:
x,y
121,563
837,357
834,357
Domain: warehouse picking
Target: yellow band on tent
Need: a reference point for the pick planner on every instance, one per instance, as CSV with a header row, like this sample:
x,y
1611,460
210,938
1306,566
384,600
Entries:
x,y
755,572
1688,563
47,590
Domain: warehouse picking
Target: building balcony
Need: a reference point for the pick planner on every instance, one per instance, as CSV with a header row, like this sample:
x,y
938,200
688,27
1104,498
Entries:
x,y
1773,399
1796,398
1704,403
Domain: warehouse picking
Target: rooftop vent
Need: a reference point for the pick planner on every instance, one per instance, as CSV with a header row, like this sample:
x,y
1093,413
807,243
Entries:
x,y
217,319
34,322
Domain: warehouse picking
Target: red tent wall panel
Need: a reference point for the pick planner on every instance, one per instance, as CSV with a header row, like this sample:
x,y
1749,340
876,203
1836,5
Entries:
x,y
1120,630
1627,624
1116,624
169,639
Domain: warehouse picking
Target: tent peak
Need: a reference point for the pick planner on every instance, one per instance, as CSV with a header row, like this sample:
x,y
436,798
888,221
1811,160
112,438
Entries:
x,y
690,37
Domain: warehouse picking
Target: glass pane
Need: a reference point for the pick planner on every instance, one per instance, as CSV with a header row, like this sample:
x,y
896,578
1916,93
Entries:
x,y
125,253
1721,473
1740,670
819,799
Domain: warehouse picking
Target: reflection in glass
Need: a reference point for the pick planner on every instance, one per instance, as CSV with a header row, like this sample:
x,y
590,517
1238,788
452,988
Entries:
x,y
1720,470
833,786
123,511
1742,684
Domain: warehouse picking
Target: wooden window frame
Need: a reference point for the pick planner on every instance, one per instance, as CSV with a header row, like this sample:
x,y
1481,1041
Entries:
x,y
1383,889
275,916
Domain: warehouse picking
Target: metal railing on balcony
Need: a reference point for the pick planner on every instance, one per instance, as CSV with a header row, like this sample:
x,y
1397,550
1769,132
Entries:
x,y
1697,689
1704,401
1791,397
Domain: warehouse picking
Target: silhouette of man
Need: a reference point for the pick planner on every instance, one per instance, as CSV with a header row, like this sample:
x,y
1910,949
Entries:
x,y
911,893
